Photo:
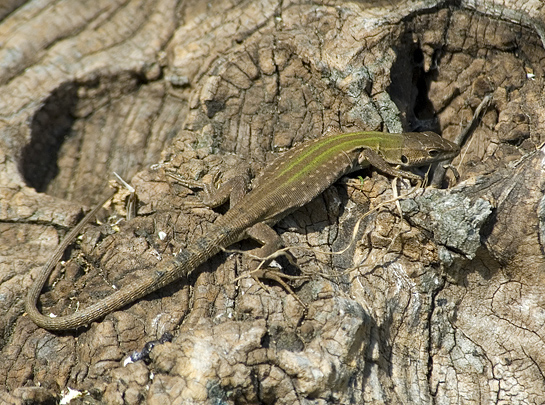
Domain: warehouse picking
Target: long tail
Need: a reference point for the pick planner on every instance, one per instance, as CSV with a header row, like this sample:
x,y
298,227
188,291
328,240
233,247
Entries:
x,y
152,281
181,265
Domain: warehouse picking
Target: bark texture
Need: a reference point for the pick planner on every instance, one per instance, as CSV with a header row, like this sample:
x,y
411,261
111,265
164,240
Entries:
x,y
443,305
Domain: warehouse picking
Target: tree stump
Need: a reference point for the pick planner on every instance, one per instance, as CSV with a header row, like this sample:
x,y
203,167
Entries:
x,y
443,304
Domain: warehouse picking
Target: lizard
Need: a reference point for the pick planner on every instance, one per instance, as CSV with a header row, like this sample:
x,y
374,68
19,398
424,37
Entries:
x,y
291,181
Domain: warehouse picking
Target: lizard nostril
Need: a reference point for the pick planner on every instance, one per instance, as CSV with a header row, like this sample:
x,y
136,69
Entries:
x,y
433,153
404,159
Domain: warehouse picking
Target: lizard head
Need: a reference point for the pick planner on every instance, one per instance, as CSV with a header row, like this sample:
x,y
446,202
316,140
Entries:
x,y
420,148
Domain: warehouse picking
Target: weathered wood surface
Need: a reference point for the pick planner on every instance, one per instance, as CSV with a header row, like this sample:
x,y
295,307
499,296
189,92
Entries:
x,y
443,306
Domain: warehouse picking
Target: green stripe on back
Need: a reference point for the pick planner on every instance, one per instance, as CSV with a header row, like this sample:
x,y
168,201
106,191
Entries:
x,y
334,144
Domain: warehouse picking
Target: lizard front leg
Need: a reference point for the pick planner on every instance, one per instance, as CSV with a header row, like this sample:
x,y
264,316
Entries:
x,y
370,157
233,190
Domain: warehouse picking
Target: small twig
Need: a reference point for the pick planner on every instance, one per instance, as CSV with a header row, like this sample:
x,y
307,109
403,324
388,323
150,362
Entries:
x,y
132,201
461,139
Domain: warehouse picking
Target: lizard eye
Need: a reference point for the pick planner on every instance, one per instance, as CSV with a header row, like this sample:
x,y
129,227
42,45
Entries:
x,y
433,153
404,159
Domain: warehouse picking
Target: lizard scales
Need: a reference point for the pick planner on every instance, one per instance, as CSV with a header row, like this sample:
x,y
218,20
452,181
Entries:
x,y
291,181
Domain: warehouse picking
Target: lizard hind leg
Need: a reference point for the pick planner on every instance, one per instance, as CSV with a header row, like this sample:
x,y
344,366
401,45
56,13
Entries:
x,y
272,247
